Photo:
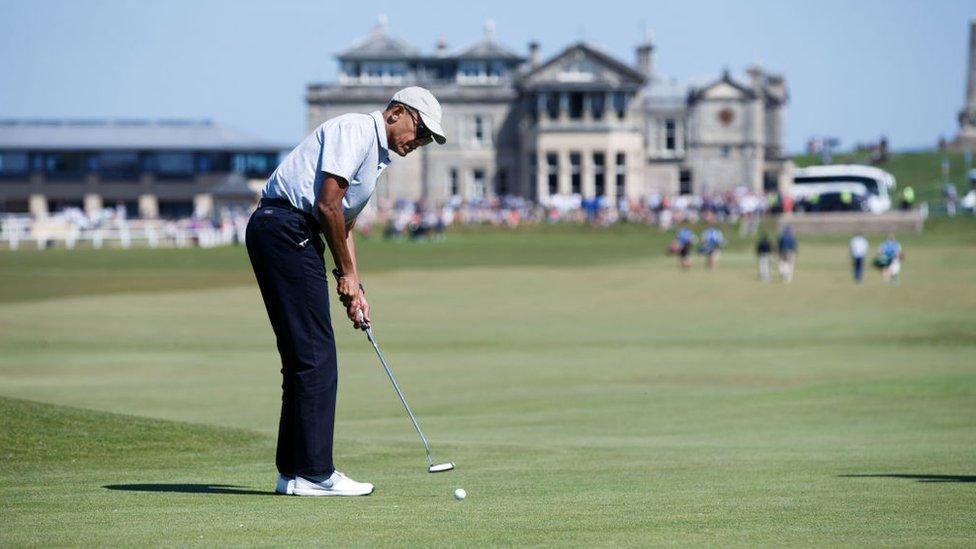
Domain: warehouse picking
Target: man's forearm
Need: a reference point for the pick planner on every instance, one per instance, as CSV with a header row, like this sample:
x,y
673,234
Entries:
x,y
333,225
351,247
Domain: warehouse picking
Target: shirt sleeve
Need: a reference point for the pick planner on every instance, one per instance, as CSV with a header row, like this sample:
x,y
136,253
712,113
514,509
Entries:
x,y
344,148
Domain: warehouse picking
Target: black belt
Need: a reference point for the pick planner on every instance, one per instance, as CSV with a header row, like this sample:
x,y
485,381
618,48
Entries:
x,y
285,204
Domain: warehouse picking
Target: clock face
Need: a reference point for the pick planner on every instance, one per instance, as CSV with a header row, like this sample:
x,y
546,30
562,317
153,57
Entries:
x,y
726,116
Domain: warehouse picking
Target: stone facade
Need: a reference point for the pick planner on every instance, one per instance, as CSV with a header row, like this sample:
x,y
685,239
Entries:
x,y
582,122
966,139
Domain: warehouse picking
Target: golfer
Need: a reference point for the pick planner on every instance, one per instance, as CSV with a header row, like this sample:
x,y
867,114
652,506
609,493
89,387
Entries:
x,y
318,190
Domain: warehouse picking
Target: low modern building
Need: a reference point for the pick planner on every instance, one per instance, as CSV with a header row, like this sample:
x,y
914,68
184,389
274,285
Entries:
x,y
582,122
169,168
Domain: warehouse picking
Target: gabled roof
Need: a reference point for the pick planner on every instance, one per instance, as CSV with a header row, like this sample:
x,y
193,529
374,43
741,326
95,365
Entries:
x,y
627,75
489,49
380,44
726,79
184,135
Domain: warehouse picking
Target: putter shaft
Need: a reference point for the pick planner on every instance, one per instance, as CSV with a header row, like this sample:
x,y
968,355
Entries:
x,y
396,387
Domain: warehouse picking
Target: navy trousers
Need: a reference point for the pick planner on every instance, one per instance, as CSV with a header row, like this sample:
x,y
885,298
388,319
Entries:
x,y
858,268
286,253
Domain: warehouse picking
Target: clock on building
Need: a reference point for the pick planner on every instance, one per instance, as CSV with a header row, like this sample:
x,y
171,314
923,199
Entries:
x,y
725,116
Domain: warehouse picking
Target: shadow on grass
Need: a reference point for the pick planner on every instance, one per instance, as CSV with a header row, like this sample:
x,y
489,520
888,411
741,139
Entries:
x,y
188,489
919,478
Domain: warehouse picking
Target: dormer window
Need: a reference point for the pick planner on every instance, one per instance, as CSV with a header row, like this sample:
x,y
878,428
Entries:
x,y
350,69
597,105
382,72
620,104
480,72
496,69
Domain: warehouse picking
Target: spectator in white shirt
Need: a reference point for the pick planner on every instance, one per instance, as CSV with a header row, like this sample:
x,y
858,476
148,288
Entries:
x,y
859,249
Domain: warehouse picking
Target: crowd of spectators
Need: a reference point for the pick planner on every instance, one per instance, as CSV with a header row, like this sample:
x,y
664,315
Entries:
x,y
419,219
414,220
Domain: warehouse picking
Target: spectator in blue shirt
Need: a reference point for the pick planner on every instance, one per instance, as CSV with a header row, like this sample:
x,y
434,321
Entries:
x,y
685,239
890,255
712,242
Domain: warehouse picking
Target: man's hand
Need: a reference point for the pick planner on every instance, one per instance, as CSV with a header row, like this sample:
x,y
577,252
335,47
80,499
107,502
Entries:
x,y
353,299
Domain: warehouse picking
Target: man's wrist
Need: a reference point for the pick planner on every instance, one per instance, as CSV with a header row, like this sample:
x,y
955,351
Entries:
x,y
340,275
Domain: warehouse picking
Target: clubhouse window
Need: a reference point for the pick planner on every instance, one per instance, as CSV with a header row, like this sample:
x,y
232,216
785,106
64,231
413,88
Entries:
x,y
14,164
599,173
118,165
65,166
684,182
620,104
213,162
576,105
552,173
175,209
670,135
455,187
173,165
576,173
478,184
552,105
621,175
598,103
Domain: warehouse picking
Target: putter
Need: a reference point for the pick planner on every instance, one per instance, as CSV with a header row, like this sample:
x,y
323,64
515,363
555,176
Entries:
x,y
431,466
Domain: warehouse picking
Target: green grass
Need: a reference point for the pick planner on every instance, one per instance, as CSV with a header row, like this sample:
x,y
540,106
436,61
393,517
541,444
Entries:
x,y
920,169
589,392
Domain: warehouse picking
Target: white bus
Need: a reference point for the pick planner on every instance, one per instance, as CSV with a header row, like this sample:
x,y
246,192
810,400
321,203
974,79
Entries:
x,y
872,185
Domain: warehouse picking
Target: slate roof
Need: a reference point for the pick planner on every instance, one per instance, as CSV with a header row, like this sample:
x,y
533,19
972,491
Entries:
x,y
665,91
380,44
489,48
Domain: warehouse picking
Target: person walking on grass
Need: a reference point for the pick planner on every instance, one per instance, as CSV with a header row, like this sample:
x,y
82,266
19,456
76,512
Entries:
x,y
764,250
318,191
712,242
859,249
684,240
890,256
787,254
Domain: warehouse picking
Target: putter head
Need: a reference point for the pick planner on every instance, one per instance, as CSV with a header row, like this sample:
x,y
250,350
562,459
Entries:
x,y
440,467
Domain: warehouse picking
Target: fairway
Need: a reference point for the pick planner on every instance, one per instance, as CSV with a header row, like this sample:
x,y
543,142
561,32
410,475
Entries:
x,y
588,391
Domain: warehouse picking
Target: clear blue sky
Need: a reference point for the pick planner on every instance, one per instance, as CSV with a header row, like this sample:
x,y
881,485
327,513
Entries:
x,y
855,69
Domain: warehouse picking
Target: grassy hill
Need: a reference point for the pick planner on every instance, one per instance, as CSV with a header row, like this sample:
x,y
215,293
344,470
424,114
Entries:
x,y
920,169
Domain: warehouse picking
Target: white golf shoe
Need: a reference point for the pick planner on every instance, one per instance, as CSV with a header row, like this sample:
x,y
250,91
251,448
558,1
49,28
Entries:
x,y
337,484
285,485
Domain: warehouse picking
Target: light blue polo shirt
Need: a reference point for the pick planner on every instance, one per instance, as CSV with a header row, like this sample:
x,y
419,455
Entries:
x,y
352,146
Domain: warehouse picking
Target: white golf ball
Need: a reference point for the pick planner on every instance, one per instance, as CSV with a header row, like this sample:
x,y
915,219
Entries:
x,y
460,494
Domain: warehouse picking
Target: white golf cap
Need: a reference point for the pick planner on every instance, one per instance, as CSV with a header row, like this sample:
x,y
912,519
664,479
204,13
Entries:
x,y
424,102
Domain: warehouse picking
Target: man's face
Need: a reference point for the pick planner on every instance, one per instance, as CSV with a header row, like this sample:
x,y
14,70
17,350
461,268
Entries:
x,y
406,131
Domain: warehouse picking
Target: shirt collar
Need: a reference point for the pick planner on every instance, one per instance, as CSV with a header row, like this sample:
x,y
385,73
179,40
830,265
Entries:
x,y
381,133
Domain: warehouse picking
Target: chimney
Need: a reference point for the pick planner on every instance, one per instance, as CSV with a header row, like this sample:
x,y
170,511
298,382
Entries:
x,y
755,77
533,54
645,55
441,47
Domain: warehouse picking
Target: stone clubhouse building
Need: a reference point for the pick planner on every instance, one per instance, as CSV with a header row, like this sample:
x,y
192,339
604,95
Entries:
x,y
582,122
